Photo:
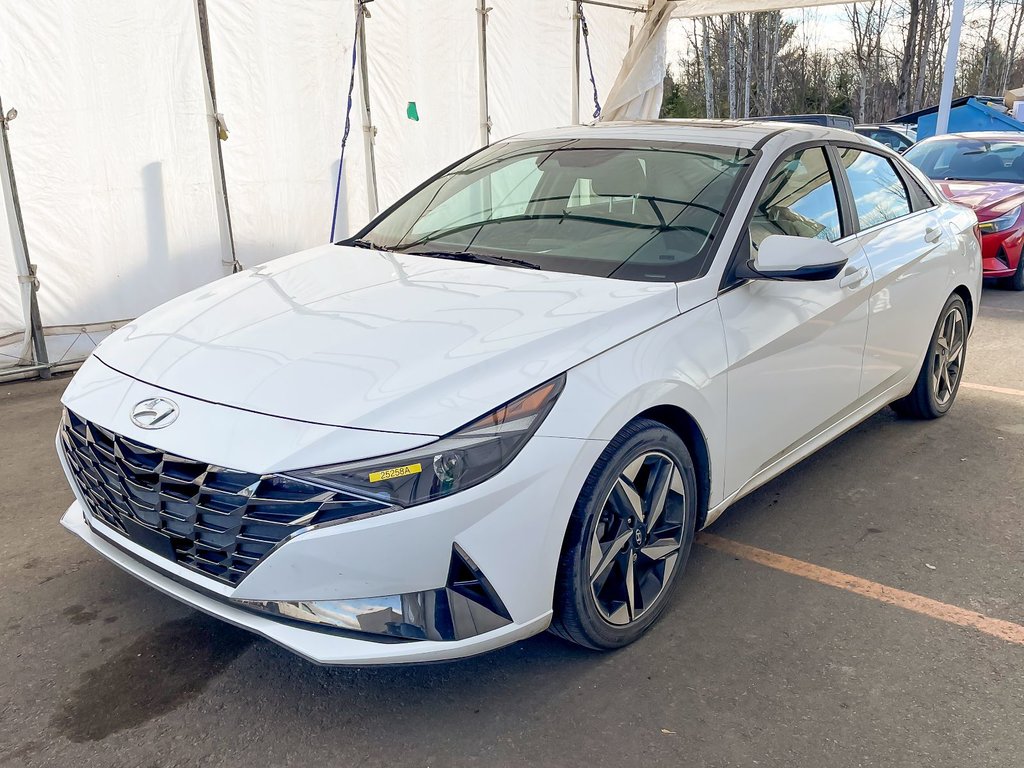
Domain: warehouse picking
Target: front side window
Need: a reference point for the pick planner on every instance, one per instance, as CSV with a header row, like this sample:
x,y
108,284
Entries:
x,y
965,159
878,193
648,211
799,199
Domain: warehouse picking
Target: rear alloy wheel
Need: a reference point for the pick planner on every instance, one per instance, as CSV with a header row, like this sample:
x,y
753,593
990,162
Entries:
x,y
940,375
629,538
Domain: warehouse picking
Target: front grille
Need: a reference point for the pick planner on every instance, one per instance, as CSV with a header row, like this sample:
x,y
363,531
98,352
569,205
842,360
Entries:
x,y
217,521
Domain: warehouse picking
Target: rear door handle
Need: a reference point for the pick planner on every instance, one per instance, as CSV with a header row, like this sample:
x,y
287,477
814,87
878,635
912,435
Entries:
x,y
933,234
853,277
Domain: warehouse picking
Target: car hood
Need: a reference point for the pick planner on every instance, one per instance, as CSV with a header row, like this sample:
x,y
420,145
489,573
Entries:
x,y
377,340
987,198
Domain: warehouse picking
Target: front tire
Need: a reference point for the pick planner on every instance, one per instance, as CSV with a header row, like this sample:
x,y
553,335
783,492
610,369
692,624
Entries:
x,y
939,379
628,539
1016,283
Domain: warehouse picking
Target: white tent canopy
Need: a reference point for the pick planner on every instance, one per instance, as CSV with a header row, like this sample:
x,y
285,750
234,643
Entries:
x,y
119,167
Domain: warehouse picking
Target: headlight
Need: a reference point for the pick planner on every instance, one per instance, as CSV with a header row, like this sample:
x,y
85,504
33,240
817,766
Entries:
x,y
1001,224
457,461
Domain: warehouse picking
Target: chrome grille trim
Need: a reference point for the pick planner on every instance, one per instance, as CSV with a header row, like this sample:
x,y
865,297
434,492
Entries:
x,y
216,521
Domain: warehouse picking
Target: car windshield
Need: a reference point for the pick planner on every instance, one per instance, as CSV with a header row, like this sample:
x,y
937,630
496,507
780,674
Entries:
x,y
970,159
605,208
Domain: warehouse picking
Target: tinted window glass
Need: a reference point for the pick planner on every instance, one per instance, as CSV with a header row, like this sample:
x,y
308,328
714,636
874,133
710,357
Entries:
x,y
613,209
878,191
799,199
891,139
970,159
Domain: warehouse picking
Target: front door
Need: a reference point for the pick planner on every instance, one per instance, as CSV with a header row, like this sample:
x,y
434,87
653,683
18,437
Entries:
x,y
795,348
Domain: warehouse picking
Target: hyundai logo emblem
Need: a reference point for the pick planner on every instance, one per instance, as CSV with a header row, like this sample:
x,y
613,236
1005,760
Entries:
x,y
155,413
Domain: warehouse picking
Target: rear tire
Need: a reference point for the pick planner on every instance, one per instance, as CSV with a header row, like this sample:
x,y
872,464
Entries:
x,y
628,539
939,379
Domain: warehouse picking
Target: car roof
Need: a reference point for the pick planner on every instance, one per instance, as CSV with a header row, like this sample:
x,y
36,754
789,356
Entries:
x,y
723,133
979,136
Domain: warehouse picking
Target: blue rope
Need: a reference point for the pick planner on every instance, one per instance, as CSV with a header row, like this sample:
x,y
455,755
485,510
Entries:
x,y
348,119
590,64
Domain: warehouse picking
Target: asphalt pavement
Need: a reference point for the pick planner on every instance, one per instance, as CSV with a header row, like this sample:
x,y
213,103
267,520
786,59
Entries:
x,y
750,665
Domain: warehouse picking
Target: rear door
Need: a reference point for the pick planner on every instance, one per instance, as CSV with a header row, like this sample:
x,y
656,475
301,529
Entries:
x,y
795,348
905,242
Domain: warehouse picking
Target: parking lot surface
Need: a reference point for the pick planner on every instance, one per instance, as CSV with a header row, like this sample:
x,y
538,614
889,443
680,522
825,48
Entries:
x,y
753,664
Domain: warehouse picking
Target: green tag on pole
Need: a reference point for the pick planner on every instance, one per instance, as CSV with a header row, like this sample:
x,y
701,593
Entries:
x,y
411,113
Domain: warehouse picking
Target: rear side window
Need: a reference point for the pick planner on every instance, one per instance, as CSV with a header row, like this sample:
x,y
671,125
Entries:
x,y
878,192
798,199
891,139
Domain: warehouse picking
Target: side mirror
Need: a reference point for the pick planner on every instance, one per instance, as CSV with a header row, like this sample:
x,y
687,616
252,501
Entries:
x,y
786,257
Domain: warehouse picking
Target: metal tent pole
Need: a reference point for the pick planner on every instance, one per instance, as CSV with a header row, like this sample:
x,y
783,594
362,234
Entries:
x,y
217,129
369,131
481,33
949,72
26,269
575,63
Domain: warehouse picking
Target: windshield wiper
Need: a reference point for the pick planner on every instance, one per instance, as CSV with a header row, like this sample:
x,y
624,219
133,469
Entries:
x,y
363,244
477,258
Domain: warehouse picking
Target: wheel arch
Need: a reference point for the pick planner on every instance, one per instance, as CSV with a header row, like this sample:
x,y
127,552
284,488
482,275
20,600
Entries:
x,y
683,424
965,293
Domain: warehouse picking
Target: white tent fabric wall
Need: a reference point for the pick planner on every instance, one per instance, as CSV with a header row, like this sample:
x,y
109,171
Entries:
x,y
530,61
424,52
281,72
529,53
112,158
112,149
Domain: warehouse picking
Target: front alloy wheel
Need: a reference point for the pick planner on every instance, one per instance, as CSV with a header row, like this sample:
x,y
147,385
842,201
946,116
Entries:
x,y
635,545
628,539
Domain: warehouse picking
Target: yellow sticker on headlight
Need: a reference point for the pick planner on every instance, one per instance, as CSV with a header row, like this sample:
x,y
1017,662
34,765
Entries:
x,y
390,474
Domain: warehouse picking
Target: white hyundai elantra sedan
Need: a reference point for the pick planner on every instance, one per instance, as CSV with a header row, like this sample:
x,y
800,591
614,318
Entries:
x,y
509,402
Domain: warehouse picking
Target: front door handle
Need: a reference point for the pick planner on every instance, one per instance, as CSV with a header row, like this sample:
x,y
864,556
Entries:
x,y
853,277
933,234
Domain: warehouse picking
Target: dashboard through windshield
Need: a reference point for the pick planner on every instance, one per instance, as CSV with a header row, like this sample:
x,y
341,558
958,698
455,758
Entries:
x,y
646,211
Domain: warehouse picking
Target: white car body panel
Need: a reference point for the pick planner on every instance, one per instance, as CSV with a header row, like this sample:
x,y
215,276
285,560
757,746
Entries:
x,y
338,354
790,342
347,328
910,279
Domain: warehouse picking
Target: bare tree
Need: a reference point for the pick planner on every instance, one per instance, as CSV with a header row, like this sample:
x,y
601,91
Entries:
x,y
731,72
761,63
1016,19
709,92
775,19
748,60
865,23
989,46
907,61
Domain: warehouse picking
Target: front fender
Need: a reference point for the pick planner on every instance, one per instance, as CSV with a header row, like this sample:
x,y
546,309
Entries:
x,y
680,363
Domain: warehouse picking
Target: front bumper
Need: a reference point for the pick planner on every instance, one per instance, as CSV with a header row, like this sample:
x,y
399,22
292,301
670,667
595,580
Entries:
x,y
1000,253
511,527
317,646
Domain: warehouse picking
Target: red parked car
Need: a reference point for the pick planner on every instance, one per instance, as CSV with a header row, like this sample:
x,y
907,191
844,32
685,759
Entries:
x,y
986,172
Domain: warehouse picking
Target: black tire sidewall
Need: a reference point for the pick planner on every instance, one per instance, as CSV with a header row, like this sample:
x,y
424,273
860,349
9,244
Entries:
x,y
1016,282
929,366
640,436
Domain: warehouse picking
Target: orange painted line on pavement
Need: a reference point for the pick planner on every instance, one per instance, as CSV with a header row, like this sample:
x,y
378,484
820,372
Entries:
x,y
997,390
1004,630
